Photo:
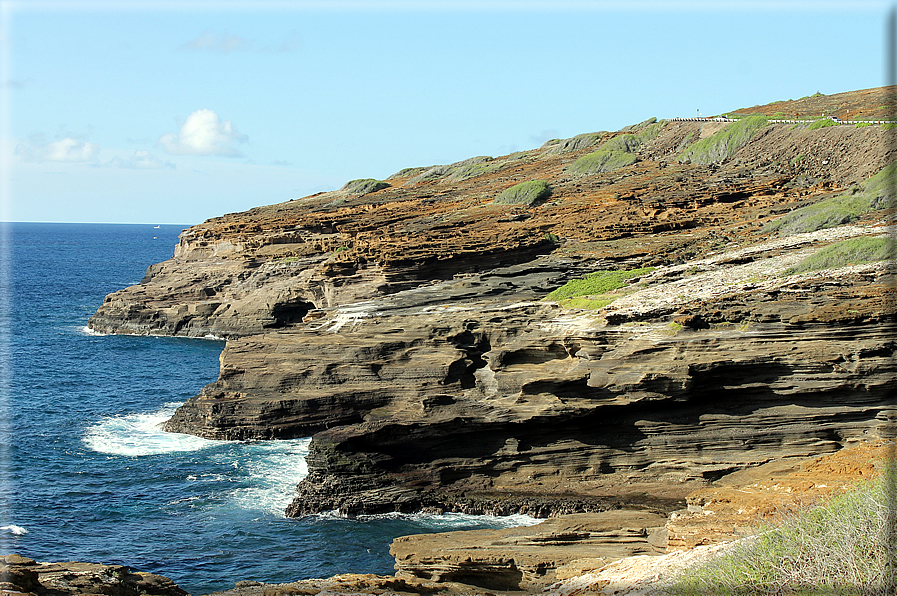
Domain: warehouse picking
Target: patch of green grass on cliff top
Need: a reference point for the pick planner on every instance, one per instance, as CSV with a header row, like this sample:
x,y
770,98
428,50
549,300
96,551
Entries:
x,y
603,160
526,193
723,144
842,546
596,285
877,192
615,153
363,186
582,141
822,123
855,251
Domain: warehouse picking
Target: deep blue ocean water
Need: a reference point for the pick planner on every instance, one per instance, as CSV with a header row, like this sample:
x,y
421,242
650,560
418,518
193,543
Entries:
x,y
87,475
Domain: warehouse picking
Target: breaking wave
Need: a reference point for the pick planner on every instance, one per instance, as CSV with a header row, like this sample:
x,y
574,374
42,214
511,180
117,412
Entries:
x,y
136,435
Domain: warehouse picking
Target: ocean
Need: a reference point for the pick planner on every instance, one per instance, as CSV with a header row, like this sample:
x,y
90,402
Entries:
x,y
86,474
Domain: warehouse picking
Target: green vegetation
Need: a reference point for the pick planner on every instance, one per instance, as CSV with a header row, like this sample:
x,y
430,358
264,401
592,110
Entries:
x,y
639,126
526,193
862,124
797,159
592,291
842,546
726,142
822,123
408,172
876,193
363,186
889,125
615,153
672,328
603,160
855,251
553,238
578,142
471,170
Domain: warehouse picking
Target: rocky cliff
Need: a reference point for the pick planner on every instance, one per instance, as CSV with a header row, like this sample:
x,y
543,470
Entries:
x,y
404,324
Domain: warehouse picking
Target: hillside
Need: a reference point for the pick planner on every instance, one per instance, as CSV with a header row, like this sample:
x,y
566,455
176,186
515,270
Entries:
x,y
406,324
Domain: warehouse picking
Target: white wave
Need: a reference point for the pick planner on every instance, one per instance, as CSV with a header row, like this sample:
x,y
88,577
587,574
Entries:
x,y
271,469
449,521
141,434
213,337
14,530
88,331
439,522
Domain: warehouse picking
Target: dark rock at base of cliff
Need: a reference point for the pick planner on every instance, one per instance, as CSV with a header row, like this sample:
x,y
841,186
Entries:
x,y
22,575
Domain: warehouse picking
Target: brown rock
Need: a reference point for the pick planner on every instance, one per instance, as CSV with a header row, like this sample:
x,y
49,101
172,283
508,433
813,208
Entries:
x,y
526,558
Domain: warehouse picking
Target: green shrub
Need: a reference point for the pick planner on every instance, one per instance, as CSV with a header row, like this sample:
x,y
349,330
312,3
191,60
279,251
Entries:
x,y
639,126
409,172
603,160
842,546
526,193
855,251
363,186
596,284
862,124
578,142
617,152
876,193
822,123
726,142
889,125
471,170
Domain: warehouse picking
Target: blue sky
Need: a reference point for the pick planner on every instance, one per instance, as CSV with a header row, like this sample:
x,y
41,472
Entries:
x,y
175,112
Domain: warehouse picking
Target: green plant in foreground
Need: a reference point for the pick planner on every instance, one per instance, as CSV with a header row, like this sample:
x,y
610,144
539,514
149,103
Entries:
x,y
596,284
855,251
845,546
863,124
526,193
889,125
723,144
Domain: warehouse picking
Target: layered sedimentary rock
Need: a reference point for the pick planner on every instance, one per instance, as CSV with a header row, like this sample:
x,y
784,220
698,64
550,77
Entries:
x,y
406,329
21,575
528,558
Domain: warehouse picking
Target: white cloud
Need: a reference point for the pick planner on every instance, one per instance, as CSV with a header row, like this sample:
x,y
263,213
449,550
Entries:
x,y
15,83
65,150
210,41
291,43
204,133
141,160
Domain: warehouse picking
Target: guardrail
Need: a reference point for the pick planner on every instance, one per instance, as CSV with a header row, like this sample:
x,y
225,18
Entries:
x,y
777,121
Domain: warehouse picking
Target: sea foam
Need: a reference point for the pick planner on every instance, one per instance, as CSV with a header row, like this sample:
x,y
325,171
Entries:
x,y
88,331
14,530
141,434
269,472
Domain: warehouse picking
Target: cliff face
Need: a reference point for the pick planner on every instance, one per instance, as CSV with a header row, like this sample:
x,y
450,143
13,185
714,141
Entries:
x,y
406,328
